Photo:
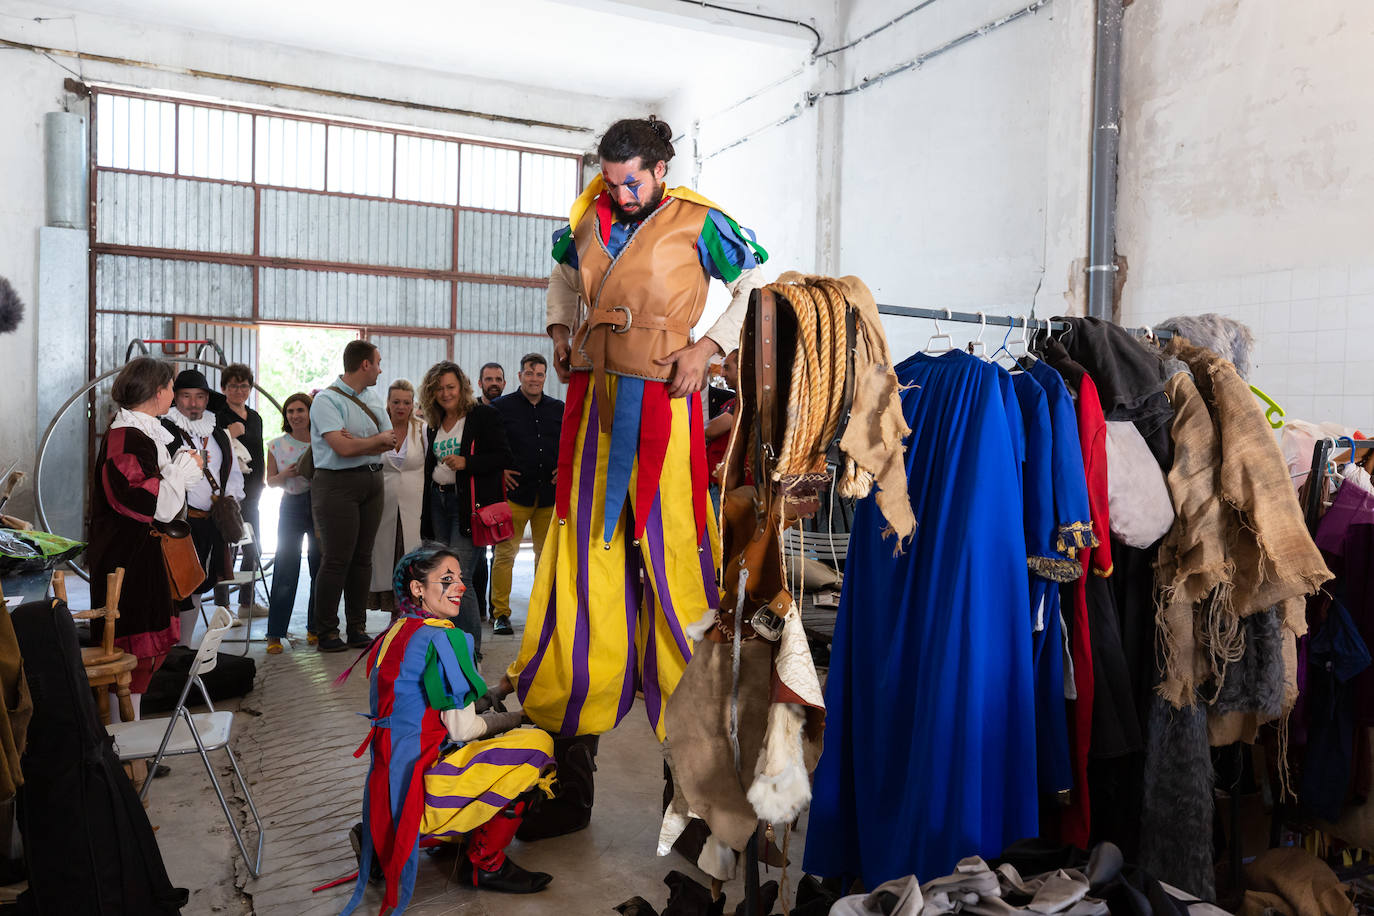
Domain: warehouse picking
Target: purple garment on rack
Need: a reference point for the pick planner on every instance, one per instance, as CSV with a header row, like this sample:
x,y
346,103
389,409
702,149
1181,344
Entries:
x,y
1352,505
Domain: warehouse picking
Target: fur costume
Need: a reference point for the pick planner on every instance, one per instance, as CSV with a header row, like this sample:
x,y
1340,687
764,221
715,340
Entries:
x,y
1224,336
1176,815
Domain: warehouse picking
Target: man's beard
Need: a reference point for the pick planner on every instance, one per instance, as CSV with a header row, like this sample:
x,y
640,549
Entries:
x,y
492,392
646,207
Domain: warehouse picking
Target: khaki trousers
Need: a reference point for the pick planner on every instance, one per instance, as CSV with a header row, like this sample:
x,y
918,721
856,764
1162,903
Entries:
x,y
503,557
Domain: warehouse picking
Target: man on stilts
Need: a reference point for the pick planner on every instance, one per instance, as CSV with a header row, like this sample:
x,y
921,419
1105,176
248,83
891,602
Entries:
x,y
632,562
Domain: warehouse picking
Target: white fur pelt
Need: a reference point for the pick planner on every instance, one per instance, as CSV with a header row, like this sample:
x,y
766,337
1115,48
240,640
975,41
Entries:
x,y
781,788
697,629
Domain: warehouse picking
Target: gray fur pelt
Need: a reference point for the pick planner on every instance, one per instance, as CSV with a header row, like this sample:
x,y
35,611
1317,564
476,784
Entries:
x,y
1254,683
1176,813
1217,333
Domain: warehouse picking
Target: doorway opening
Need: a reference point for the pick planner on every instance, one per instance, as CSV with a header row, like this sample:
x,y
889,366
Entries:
x,y
292,358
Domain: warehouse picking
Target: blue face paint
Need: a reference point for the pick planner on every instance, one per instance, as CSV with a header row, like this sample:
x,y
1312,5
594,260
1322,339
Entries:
x,y
633,188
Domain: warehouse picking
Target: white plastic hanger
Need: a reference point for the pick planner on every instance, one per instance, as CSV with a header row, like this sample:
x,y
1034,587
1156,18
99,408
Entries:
x,y
977,347
940,335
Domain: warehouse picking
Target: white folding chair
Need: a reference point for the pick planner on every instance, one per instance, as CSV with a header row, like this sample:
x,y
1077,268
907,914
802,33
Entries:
x,y
250,577
187,733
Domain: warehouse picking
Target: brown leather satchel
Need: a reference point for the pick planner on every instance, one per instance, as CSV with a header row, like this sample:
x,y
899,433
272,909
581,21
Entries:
x,y
179,558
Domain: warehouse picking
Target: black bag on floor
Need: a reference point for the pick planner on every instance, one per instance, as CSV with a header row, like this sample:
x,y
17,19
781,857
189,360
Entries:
x,y
231,677
570,810
87,841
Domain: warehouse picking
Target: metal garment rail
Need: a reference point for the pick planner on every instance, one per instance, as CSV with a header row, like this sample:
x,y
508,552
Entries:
x,y
1321,454
1005,321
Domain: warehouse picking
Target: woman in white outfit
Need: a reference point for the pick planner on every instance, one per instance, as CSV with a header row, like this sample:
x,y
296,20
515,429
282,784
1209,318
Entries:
x,y
403,474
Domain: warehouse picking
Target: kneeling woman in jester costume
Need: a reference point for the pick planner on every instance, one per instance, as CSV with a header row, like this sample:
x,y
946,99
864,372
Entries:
x,y
440,770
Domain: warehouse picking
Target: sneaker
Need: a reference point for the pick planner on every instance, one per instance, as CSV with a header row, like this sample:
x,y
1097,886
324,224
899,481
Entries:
x,y
249,611
501,626
359,640
274,647
331,643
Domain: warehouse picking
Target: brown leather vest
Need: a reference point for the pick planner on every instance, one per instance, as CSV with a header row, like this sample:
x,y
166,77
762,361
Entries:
x,y
642,304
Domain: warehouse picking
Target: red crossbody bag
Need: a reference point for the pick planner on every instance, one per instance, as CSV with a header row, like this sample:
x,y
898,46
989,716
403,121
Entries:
x,y
492,523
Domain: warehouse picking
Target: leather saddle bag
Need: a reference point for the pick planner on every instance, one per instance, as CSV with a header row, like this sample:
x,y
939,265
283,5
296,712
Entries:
x,y
184,572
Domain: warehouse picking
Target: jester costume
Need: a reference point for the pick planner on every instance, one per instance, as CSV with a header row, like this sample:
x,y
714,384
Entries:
x,y
417,791
632,562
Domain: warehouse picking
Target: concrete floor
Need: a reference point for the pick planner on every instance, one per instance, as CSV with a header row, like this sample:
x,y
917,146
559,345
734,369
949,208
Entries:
x,y
295,734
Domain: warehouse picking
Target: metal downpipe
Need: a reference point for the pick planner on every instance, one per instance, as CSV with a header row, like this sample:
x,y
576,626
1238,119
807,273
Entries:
x,y
1105,144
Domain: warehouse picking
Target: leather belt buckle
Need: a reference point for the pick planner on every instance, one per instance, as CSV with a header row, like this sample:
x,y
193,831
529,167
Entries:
x,y
767,624
629,319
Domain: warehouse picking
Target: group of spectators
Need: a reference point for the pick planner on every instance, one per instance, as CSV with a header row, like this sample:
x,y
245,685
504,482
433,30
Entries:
x,y
386,475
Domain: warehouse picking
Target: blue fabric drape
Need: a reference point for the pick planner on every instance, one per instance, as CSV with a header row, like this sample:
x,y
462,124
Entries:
x,y
930,751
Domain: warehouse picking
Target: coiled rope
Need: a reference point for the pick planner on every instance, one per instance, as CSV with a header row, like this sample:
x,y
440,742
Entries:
x,y
820,366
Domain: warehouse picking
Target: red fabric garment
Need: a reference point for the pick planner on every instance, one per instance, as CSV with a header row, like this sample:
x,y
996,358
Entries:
x,y
572,420
1092,432
655,422
700,473
487,846
394,831
1092,435
715,449
126,483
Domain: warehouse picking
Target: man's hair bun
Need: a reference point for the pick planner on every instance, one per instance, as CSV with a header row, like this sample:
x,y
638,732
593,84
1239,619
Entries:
x,y
661,128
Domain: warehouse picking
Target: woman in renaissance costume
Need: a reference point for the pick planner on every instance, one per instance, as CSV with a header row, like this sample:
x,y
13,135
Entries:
x,y
442,771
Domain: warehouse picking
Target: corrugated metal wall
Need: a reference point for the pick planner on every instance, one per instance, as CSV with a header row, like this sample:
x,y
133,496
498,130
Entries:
x,y
320,227
156,212
503,244
320,297
408,357
202,250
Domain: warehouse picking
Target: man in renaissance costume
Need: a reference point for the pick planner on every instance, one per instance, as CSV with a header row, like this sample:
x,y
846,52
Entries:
x,y
631,563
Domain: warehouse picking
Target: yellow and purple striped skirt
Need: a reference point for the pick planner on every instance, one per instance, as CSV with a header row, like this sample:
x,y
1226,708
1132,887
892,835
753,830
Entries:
x,y
630,564
468,786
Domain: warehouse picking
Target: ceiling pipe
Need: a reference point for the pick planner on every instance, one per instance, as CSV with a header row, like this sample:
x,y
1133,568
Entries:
x,y
1106,141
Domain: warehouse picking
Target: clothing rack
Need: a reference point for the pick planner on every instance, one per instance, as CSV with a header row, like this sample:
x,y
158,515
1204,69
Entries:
x,y
1312,514
1321,454
1004,321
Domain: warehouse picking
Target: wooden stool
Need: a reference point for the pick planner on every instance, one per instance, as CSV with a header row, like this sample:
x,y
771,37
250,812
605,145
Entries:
x,y
105,665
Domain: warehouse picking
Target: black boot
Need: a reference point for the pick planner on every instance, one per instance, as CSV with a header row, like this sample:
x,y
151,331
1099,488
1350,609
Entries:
x,y
355,839
510,879
570,809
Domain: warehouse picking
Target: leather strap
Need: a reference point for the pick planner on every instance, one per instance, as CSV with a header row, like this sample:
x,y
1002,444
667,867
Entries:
x,y
370,415
472,478
621,319
766,377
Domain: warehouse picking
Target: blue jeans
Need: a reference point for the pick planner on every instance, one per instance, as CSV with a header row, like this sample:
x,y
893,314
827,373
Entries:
x,y
443,511
294,522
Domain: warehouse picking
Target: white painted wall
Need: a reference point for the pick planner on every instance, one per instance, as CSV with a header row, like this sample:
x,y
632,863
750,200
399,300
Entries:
x,y
1247,186
960,184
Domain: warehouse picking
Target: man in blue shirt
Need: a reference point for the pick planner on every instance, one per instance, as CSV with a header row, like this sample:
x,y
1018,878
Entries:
x,y
347,436
534,422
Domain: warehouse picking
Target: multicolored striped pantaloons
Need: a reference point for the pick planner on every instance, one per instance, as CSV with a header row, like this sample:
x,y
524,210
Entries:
x,y
630,564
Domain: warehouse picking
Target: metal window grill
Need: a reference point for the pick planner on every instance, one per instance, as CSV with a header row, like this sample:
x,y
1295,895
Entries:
x,y
214,216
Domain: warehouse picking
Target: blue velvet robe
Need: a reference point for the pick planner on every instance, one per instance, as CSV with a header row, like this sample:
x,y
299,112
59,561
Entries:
x,y
930,746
